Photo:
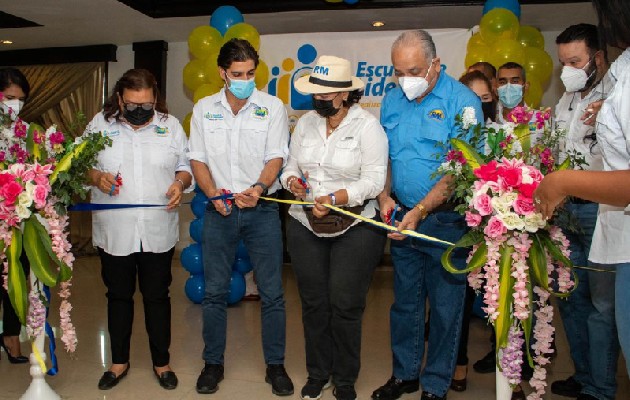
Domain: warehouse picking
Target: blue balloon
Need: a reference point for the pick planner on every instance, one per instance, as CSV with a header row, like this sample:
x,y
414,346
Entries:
x,y
241,251
191,259
512,5
237,288
198,205
242,265
196,229
195,288
351,1
224,17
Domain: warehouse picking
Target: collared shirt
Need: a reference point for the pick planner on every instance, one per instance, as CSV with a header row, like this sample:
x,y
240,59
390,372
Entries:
x,y
578,137
147,160
611,239
353,157
236,147
418,132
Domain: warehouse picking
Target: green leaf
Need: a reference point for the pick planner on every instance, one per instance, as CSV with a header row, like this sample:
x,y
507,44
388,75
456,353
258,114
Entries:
x,y
47,245
554,251
538,262
524,135
66,161
470,154
16,279
468,240
527,323
565,164
506,289
38,255
31,146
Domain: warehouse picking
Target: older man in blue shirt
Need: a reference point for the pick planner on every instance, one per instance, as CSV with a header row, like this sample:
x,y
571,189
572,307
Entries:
x,y
417,117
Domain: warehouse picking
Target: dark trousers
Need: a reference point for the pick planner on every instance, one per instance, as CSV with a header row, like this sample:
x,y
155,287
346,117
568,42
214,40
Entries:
x,y
333,276
10,322
462,354
153,271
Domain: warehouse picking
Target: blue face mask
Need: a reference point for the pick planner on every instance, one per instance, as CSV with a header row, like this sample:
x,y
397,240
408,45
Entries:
x,y
242,89
510,95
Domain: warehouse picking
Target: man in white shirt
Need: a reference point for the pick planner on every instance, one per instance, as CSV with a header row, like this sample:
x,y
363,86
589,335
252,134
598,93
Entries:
x,y
238,143
594,350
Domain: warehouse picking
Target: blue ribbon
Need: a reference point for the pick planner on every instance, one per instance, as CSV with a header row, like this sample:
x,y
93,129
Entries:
x,y
106,206
52,346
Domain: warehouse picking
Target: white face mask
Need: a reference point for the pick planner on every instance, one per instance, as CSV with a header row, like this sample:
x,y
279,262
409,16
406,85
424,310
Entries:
x,y
414,86
15,105
575,79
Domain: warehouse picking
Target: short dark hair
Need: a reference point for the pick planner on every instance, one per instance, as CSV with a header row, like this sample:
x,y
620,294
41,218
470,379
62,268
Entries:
x,y
586,33
472,76
353,97
614,26
236,50
513,65
13,76
133,79
487,69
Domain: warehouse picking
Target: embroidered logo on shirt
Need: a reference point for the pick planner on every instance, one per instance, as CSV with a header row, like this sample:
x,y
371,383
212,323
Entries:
x,y
260,112
107,133
161,131
436,114
213,117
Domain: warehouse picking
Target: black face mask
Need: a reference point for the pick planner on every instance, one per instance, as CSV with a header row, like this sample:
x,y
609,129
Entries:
x,y
325,108
139,116
489,109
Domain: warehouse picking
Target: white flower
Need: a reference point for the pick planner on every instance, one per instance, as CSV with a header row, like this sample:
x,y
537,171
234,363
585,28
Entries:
x,y
512,221
25,199
503,204
22,211
526,177
516,146
468,117
52,129
533,222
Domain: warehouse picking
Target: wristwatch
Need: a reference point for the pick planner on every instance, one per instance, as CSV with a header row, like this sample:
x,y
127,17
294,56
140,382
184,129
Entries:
x,y
262,186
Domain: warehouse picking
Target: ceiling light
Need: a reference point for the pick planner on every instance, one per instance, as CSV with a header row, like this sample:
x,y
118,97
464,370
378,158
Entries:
x,y
4,41
378,24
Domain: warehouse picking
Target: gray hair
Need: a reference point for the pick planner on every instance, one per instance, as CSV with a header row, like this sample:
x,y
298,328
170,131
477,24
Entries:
x,y
417,37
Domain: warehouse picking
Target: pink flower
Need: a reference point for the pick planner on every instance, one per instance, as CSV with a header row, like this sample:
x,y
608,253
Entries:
x,y
39,196
56,138
6,178
473,219
524,205
482,203
542,117
528,189
3,156
487,172
495,228
457,156
510,177
520,115
10,192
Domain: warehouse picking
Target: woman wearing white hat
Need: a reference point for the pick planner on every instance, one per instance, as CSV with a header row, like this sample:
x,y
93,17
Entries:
x,y
338,155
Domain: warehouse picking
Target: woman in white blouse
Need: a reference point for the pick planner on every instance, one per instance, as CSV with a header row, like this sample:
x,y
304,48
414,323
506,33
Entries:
x,y
146,164
338,155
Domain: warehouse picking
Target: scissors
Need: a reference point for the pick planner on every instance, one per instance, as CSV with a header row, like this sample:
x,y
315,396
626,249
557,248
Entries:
x,y
118,180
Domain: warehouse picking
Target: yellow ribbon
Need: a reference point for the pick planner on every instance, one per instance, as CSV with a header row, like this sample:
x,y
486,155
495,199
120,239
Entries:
x,y
38,357
362,218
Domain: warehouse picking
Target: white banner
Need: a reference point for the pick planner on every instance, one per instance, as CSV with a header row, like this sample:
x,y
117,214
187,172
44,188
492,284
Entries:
x,y
290,56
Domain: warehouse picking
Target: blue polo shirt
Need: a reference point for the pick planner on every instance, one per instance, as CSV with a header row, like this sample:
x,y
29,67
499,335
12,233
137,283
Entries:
x,y
414,131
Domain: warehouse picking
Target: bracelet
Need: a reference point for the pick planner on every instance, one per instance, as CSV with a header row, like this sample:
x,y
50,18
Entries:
x,y
262,186
333,198
423,211
290,182
182,182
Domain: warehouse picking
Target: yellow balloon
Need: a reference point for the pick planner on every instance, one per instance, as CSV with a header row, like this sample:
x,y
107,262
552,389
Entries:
x,y
195,74
186,123
476,54
207,89
204,40
243,31
533,96
475,40
212,69
262,75
529,36
538,64
507,50
497,24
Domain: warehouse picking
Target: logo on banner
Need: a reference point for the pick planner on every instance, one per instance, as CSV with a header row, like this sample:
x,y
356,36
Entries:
x,y
284,76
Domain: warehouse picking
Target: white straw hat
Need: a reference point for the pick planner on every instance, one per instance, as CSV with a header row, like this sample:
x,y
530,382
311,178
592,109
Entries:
x,y
331,74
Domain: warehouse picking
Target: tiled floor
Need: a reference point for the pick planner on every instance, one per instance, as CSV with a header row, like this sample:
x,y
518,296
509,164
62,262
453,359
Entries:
x,y
244,368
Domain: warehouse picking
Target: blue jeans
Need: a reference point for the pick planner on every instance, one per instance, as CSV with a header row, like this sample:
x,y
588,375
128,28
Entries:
x,y
259,228
622,308
418,275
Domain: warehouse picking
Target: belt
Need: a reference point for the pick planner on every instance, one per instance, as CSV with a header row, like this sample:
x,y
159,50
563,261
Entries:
x,y
577,200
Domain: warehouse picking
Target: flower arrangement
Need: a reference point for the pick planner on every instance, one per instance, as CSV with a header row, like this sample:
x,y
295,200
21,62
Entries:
x,y
38,170
517,258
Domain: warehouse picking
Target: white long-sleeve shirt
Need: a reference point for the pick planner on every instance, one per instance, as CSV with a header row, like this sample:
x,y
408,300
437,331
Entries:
x,y
353,157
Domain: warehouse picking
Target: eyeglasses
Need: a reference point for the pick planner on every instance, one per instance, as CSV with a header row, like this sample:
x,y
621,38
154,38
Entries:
x,y
133,106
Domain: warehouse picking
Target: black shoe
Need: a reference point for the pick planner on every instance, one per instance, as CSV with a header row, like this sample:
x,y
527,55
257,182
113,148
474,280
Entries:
x,y
519,395
109,379
13,360
568,387
394,388
459,385
584,396
431,396
208,381
345,393
281,384
487,364
314,388
167,379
